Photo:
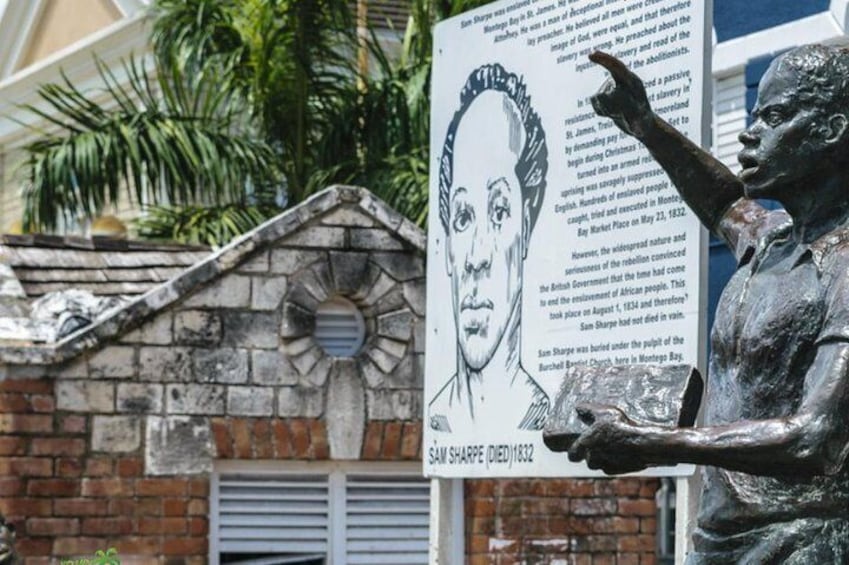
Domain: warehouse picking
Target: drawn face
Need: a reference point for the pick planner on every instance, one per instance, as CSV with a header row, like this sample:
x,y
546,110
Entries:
x,y
487,223
782,148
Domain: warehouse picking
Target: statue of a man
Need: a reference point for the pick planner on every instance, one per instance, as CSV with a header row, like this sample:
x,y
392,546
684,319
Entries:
x,y
776,433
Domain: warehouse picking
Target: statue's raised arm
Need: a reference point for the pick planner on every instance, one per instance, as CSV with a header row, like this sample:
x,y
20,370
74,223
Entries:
x,y
705,184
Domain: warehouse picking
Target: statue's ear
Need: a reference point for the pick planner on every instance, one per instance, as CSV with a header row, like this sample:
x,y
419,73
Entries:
x,y
837,128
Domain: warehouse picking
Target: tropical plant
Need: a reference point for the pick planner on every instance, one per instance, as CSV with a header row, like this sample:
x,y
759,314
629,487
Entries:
x,y
251,99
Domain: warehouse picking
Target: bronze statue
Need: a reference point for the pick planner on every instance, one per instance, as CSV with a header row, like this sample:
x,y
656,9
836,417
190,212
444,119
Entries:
x,y
776,432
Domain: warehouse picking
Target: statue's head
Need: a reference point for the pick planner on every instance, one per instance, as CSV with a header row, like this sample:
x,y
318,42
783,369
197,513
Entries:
x,y
492,178
799,131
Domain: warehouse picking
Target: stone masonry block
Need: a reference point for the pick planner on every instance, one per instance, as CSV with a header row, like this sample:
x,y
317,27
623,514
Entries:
x,y
368,239
221,365
288,261
396,325
300,402
347,217
400,266
115,434
250,401
272,367
85,396
321,237
165,364
113,361
382,285
414,294
267,292
197,327
256,264
204,399
250,328
349,271
393,404
297,321
139,398
230,291
178,445
156,331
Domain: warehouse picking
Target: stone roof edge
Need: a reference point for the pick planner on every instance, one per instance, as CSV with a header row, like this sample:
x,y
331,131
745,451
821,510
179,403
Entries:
x,y
130,315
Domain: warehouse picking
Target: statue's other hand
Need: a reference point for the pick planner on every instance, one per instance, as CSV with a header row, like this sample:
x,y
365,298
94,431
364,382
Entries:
x,y
605,445
622,97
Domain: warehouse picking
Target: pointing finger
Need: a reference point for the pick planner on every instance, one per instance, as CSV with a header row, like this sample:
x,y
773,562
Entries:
x,y
618,70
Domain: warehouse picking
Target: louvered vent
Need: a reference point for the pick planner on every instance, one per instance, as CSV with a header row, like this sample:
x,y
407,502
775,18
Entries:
x,y
339,328
387,520
729,118
273,514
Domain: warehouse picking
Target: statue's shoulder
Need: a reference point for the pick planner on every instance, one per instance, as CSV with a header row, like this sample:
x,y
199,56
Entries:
x,y
830,253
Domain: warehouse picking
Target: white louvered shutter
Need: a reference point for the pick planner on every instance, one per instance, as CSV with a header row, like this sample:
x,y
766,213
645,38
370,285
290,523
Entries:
x,y
386,519
339,328
285,514
729,118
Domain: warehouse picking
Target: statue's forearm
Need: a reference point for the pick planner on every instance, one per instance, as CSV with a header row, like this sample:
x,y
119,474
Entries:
x,y
773,447
706,185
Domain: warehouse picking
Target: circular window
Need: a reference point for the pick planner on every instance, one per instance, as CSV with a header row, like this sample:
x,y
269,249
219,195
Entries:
x,y
339,327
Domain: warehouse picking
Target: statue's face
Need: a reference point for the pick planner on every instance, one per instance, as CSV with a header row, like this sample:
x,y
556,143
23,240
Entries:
x,y
484,243
783,147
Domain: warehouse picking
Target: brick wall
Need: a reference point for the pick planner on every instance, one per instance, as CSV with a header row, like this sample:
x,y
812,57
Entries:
x,y
574,522
64,500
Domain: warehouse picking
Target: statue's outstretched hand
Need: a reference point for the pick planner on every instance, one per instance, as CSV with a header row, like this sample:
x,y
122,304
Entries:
x,y
622,97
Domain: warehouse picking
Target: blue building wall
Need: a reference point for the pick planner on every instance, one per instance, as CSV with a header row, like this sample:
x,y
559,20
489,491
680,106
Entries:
x,y
735,18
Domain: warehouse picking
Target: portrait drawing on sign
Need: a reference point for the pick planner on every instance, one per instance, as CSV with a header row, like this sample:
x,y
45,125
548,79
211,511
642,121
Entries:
x,y
492,177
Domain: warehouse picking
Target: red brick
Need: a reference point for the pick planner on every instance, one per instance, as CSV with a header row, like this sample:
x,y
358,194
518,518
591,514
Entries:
x,y
170,526
199,487
98,467
68,468
628,559
137,545
53,487
637,507
107,487
300,438
76,546
42,403
185,546
572,488
648,559
391,440
318,439
162,487
626,487
262,439
373,441
198,507
517,487
648,525
31,547
479,487
53,527
11,486
14,402
79,507
129,467
637,543
146,506
221,434
29,386
604,559
174,507
411,440
480,507
282,445
649,487
241,438
198,527
72,424
25,507
13,445
26,466
25,423
115,526
57,446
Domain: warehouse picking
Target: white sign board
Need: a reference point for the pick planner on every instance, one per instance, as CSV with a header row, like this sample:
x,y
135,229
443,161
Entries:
x,y
554,239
